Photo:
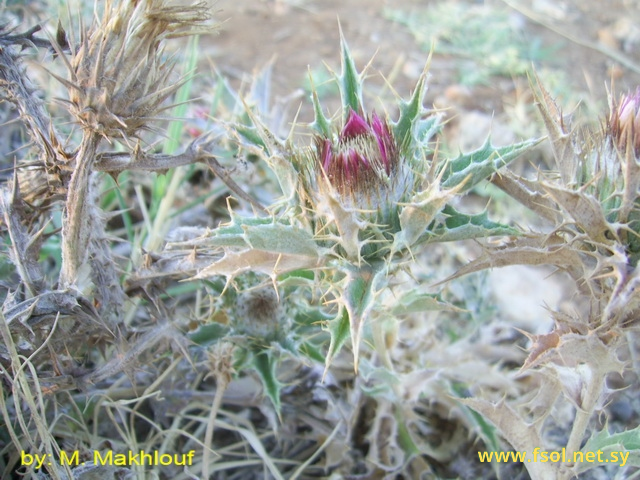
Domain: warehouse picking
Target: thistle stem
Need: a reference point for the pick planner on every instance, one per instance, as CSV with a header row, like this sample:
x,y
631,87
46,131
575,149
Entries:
x,y
79,212
583,415
222,373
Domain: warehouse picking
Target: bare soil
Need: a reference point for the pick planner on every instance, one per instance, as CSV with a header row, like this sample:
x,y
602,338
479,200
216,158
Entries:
x,y
594,43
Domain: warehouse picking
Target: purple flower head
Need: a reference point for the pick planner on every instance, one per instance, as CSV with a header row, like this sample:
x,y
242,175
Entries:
x,y
624,123
362,159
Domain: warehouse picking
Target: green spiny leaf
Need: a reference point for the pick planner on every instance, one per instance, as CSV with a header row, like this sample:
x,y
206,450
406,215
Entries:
x,y
260,93
601,440
417,217
470,168
251,135
425,129
233,233
339,332
304,275
209,333
265,364
415,302
261,245
626,446
460,226
405,439
321,124
410,111
311,351
358,298
280,238
350,81
486,430
262,234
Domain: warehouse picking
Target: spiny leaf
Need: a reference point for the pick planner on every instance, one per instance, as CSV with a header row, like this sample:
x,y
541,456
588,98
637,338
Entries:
x,y
426,129
405,439
415,302
559,133
531,251
268,263
311,351
487,431
339,331
270,248
258,234
522,436
417,217
260,93
321,124
209,333
252,135
349,226
350,81
409,112
584,209
460,226
280,238
358,298
529,193
627,442
470,168
265,364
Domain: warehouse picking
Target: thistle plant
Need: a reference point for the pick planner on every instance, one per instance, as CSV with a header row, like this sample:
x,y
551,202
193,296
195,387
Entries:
x,y
591,203
357,203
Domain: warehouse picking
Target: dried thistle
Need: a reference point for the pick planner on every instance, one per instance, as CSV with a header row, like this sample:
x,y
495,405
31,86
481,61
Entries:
x,y
594,209
118,83
118,79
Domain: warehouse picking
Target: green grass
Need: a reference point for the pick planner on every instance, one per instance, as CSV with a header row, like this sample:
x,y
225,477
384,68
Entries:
x,y
482,38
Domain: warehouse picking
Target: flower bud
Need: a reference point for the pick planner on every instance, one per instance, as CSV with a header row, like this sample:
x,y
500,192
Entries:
x,y
259,313
354,180
362,164
624,123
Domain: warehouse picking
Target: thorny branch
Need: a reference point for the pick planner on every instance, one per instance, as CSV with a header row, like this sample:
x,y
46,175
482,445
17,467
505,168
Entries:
x,y
25,39
18,90
24,247
196,152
